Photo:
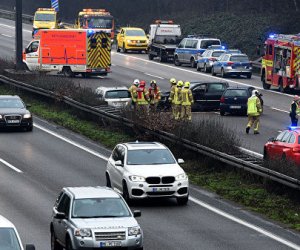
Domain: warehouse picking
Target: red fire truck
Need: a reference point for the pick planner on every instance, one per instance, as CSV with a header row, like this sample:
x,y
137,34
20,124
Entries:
x,y
281,62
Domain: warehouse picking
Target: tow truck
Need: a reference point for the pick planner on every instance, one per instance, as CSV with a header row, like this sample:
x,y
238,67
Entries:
x,y
44,18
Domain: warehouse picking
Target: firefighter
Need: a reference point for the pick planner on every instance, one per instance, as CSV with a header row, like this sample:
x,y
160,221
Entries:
x,y
133,92
186,102
142,97
254,111
173,85
154,95
175,98
295,111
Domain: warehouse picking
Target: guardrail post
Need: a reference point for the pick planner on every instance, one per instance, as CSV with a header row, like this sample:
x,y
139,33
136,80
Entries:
x,y
19,36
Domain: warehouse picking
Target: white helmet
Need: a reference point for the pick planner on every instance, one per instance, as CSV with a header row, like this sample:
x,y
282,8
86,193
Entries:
x,y
254,92
136,82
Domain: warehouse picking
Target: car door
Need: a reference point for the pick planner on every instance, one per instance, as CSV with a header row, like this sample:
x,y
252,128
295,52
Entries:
x,y
188,50
213,94
218,64
111,168
31,55
289,147
199,96
202,58
61,225
273,148
282,145
120,170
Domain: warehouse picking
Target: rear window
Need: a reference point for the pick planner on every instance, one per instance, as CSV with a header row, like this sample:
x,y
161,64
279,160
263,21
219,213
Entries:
x,y
206,43
239,59
117,94
236,92
217,53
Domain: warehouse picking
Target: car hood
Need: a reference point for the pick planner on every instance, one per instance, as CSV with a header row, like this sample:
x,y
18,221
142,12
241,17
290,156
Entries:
x,y
105,223
13,111
155,170
140,38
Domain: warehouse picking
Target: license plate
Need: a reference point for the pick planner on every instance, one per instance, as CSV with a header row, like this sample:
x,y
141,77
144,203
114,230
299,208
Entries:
x,y
110,244
139,44
235,107
13,121
162,189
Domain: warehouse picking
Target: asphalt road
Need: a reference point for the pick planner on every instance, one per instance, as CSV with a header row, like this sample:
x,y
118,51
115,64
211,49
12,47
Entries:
x,y
51,157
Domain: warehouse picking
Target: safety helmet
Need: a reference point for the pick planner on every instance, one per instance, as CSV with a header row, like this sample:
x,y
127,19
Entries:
x,y
153,81
136,82
142,83
254,92
296,98
173,81
187,84
179,83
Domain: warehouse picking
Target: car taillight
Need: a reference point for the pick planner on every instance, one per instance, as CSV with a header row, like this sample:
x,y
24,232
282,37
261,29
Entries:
x,y
222,100
230,63
212,59
296,150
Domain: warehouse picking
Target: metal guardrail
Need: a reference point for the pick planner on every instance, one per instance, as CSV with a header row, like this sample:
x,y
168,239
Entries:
x,y
247,162
11,15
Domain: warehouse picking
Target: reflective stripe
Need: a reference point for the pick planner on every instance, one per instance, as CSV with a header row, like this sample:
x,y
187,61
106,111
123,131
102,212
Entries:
x,y
177,96
142,96
187,97
251,105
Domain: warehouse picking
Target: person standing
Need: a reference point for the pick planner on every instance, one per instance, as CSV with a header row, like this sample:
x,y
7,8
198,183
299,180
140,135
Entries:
x,y
175,98
295,111
172,90
186,102
154,95
142,98
254,111
133,92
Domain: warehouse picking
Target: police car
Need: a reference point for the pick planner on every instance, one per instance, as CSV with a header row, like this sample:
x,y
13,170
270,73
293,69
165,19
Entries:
x,y
191,47
209,56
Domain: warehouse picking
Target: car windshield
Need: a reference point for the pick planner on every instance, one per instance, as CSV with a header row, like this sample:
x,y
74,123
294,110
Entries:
x,y
239,59
11,103
236,92
149,157
99,208
206,43
217,53
8,239
99,22
135,33
114,94
44,17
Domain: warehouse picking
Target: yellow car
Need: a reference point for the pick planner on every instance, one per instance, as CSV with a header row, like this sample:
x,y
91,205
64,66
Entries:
x,y
132,39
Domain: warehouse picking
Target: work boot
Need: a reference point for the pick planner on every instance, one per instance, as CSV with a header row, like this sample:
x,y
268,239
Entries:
x,y
256,132
247,130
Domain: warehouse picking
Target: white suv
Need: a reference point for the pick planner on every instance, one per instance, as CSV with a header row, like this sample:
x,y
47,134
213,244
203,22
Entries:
x,y
9,237
146,169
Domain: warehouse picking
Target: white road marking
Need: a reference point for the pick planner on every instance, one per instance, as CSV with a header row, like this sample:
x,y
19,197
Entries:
x,y
281,110
159,77
6,35
10,166
12,27
246,224
198,202
199,73
250,152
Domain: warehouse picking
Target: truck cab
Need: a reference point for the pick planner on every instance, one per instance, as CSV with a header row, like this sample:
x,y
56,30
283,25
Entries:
x,y
44,18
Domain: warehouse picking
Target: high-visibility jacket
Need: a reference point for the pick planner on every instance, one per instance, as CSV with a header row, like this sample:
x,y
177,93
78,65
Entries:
x,y
187,97
253,106
175,95
293,110
142,96
133,92
172,93
154,95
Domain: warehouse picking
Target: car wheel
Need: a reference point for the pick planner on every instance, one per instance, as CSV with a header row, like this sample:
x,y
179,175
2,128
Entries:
x,y
193,64
67,72
249,76
29,128
54,244
222,113
182,200
205,68
266,156
108,183
213,72
150,56
118,48
223,75
198,67
263,80
124,50
281,88
176,61
125,192
140,248
69,244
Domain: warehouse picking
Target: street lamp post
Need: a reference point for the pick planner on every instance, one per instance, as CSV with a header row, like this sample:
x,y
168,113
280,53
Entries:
x,y
19,37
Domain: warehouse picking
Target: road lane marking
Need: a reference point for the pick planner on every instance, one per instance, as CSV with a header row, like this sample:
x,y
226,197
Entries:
x,y
199,73
246,224
280,110
12,27
159,77
72,142
250,152
10,166
6,35
196,201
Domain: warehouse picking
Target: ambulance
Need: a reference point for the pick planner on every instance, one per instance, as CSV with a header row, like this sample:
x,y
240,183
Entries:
x,y
71,52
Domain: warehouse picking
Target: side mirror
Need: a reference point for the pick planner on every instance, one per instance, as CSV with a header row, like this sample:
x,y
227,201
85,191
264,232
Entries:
x,y
29,247
119,163
137,213
180,161
60,216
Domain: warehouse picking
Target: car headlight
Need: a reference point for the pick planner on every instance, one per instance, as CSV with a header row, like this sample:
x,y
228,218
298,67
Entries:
x,y
129,41
134,231
35,27
26,116
181,177
136,178
83,232
1,116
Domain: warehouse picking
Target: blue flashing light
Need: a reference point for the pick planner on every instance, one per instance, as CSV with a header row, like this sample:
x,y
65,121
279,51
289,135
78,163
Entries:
x,y
293,127
90,32
223,47
271,35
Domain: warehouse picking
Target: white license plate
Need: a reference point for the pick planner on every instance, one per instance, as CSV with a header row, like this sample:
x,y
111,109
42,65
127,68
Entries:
x,y
13,121
161,189
110,243
139,44
235,107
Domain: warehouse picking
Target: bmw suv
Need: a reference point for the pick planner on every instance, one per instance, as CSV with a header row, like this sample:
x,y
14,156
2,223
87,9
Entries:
x,y
146,169
92,218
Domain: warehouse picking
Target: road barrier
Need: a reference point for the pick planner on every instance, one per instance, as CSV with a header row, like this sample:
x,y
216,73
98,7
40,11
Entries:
x,y
11,15
244,161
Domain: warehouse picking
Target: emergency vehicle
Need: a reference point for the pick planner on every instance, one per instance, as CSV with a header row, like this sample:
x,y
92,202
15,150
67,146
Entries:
x,y
44,18
71,52
97,19
281,62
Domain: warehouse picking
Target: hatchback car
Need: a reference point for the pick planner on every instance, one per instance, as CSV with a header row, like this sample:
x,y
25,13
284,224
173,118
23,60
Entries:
x,y
234,100
191,47
9,237
206,60
117,97
141,170
93,218
232,64
286,146
131,38
13,113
